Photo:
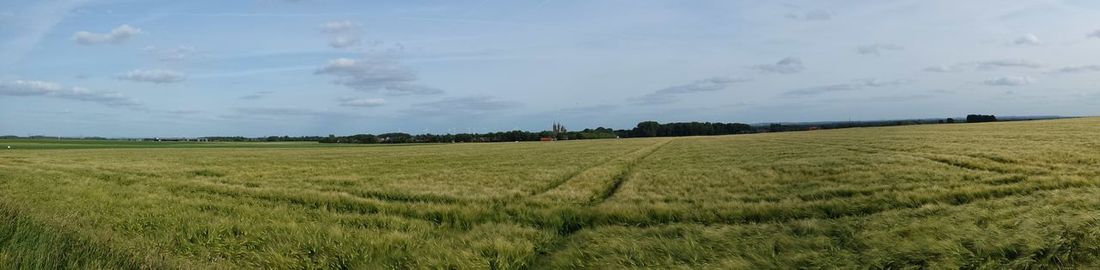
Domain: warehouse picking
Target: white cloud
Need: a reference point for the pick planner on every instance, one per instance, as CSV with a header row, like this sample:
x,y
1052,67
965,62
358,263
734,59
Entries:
x,y
668,94
153,76
278,112
362,102
878,48
1079,69
813,15
402,89
881,83
49,89
340,26
176,54
1028,39
1010,81
471,105
941,68
852,86
257,95
787,65
1094,34
116,36
986,65
343,34
994,64
341,42
373,74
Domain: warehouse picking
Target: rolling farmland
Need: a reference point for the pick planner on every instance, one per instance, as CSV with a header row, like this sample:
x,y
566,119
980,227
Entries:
x,y
990,195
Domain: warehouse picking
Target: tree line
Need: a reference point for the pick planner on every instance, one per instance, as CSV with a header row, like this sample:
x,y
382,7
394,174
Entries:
x,y
978,118
559,132
504,136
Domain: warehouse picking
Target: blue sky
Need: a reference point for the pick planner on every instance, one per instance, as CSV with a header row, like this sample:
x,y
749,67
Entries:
x,y
318,67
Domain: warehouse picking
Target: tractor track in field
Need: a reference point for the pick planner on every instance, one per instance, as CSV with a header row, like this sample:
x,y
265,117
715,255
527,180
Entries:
x,y
626,173
644,151
937,158
576,174
951,199
595,184
349,203
594,218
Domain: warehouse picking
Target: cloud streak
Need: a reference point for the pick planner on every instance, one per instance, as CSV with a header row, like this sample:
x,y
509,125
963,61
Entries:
x,y
362,102
373,74
1007,63
29,26
472,105
1010,81
987,65
343,34
1078,69
844,87
177,54
157,76
878,48
789,65
118,35
22,88
670,94
256,95
1028,40
813,15
275,112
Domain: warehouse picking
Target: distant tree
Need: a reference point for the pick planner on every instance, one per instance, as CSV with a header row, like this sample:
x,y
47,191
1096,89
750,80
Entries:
x,y
950,120
978,118
647,129
775,127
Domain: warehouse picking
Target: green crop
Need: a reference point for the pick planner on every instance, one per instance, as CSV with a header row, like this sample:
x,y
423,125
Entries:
x,y
990,196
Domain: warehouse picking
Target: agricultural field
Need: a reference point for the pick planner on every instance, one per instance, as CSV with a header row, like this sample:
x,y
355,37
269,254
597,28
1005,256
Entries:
x,y
989,196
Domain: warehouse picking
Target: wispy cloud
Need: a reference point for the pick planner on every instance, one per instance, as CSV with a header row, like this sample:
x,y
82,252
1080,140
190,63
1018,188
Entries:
x,y
789,65
343,34
986,65
115,36
26,28
257,95
669,94
878,48
899,98
362,102
276,112
176,54
1078,69
254,72
941,69
1010,81
1028,39
23,88
459,106
587,110
1094,34
157,76
372,74
1007,63
843,87
812,15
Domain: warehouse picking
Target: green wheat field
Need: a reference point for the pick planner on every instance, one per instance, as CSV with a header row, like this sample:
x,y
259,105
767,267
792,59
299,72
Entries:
x,y
976,196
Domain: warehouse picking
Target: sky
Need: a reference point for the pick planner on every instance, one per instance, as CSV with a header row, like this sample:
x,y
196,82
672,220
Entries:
x,y
126,68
